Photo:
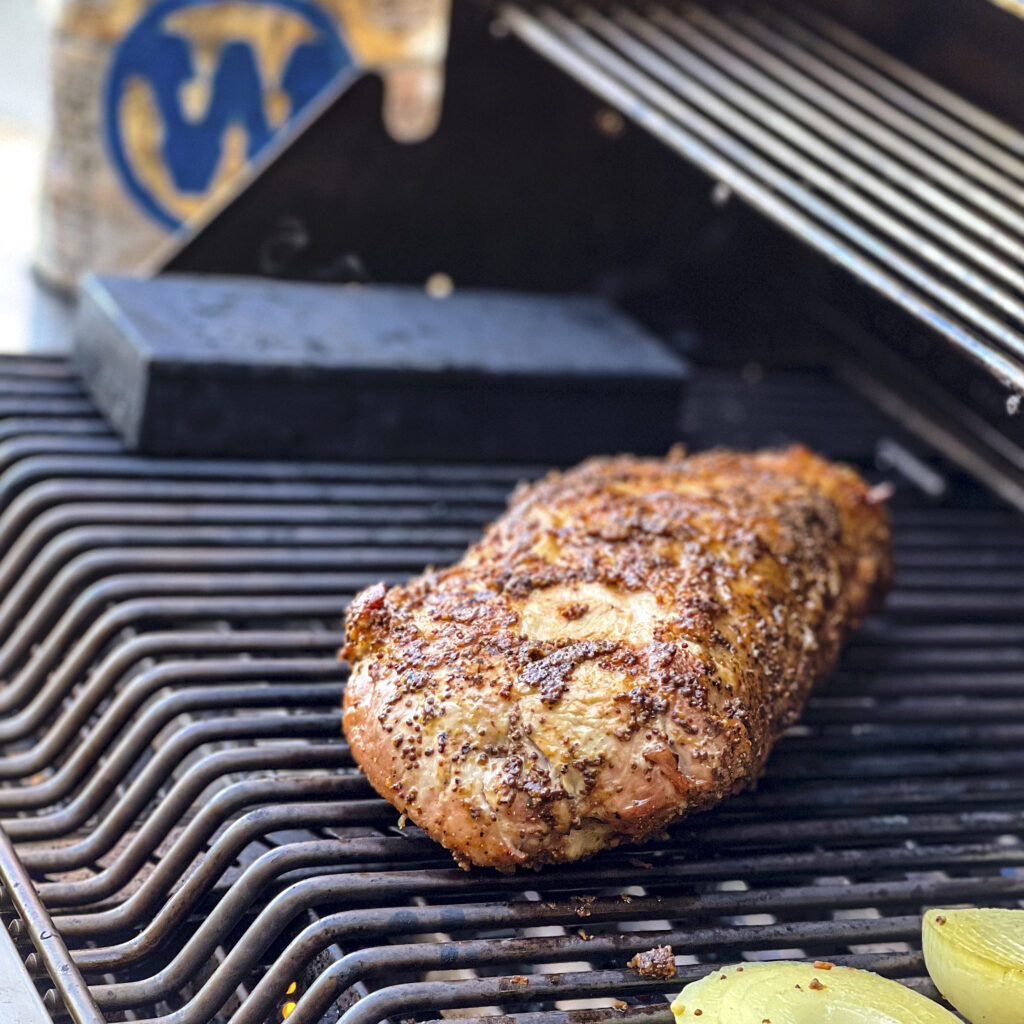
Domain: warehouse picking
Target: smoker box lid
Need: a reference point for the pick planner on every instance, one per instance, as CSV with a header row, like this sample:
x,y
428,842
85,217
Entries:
x,y
209,365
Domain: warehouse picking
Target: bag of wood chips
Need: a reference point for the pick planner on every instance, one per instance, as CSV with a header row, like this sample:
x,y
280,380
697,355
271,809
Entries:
x,y
158,104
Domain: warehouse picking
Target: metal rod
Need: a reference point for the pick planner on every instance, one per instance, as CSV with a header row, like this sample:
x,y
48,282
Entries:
x,y
332,983
98,761
70,745
67,650
904,134
1005,134
837,187
565,43
833,118
158,770
914,102
870,167
50,948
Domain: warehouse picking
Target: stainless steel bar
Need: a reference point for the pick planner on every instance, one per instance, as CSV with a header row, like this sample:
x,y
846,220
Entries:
x,y
418,997
566,43
57,535
109,605
24,620
198,898
14,386
321,891
910,101
644,1013
137,738
983,683
57,406
700,99
42,497
876,827
42,367
186,641
72,743
14,450
1000,131
26,426
833,117
331,852
332,983
51,951
181,800
791,761
40,526
696,85
160,769
945,213
927,143
150,898
198,944
399,481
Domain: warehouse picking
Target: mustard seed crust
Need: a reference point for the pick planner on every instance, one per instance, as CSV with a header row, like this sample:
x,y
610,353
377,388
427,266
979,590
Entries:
x,y
621,647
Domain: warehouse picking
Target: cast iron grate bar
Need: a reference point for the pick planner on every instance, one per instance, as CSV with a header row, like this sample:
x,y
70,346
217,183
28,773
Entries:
x,y
918,195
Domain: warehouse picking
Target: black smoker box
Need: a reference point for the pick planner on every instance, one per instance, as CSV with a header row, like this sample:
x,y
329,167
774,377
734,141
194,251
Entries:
x,y
207,365
818,212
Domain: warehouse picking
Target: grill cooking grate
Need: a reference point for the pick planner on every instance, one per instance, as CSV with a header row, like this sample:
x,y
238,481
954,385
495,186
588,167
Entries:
x,y
185,841
916,192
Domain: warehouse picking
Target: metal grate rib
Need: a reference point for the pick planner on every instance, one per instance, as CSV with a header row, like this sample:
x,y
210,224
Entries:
x,y
915,192
181,815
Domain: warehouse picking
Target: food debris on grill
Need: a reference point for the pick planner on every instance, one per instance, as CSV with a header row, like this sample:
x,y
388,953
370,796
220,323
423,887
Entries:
x,y
658,962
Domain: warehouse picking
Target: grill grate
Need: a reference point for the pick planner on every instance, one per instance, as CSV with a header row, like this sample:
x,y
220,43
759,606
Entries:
x,y
914,191
185,839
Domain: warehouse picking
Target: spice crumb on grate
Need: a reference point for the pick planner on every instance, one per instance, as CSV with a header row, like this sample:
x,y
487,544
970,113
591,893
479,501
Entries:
x,y
658,962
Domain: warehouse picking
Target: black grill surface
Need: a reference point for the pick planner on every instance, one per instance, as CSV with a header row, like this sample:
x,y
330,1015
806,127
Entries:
x,y
185,838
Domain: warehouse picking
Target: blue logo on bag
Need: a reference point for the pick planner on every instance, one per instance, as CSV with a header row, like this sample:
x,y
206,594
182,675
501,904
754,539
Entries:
x,y
198,87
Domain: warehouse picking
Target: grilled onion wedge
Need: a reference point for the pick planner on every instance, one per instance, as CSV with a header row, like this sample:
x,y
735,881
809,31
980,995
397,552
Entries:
x,y
787,992
976,959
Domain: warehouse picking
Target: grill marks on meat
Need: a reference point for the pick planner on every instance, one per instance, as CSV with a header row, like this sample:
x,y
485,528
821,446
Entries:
x,y
622,646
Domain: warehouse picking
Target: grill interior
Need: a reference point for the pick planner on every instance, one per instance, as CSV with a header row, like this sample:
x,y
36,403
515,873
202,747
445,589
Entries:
x,y
185,838
916,192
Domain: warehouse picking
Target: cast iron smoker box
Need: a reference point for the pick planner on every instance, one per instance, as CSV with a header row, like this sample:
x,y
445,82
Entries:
x,y
186,365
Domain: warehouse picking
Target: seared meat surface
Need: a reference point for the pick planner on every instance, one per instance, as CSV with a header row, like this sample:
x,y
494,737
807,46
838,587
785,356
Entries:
x,y
622,646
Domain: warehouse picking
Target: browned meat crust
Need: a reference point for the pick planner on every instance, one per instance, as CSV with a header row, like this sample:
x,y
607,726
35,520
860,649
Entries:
x,y
622,646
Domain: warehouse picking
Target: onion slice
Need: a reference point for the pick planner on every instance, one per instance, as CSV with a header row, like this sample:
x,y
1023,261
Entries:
x,y
976,959
786,992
